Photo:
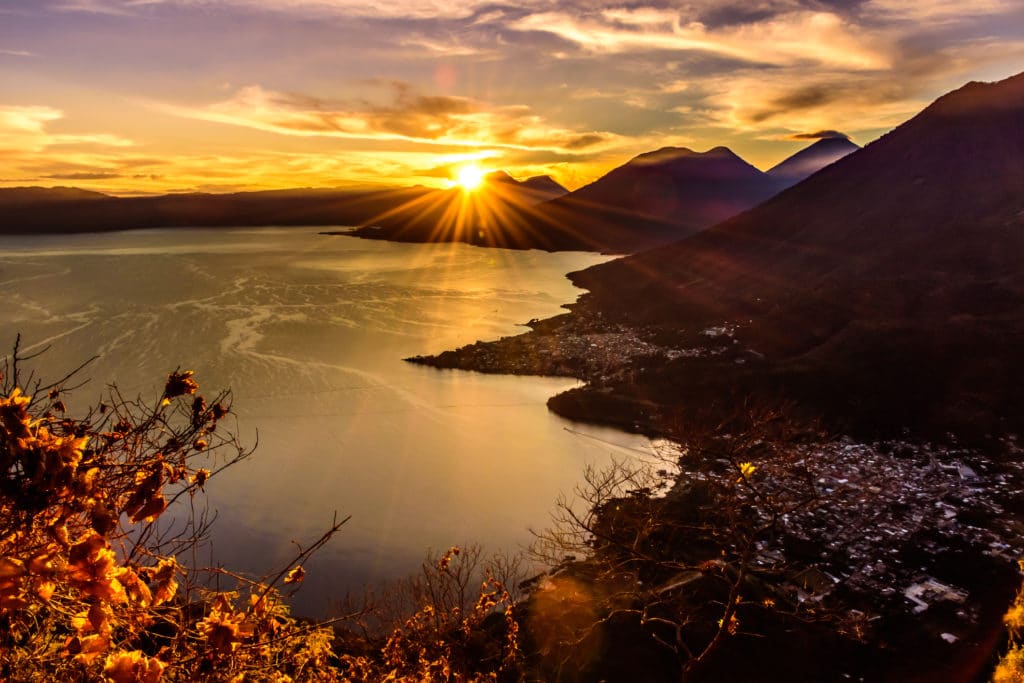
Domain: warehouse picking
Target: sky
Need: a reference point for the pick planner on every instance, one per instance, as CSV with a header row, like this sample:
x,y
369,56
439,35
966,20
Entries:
x,y
152,96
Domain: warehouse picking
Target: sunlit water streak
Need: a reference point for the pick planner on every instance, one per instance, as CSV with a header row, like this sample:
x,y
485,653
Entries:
x,y
309,332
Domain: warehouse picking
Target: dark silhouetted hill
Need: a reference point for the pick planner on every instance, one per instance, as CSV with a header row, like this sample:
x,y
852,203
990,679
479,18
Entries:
x,y
887,289
40,211
417,212
14,196
680,186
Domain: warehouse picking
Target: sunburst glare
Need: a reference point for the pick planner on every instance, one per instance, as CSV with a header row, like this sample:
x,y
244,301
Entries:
x,y
470,177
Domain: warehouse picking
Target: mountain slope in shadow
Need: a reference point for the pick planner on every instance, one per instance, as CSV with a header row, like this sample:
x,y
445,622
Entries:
x,y
886,289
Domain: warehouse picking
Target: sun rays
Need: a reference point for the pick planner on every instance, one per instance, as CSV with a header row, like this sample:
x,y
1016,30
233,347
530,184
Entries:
x,y
470,177
479,207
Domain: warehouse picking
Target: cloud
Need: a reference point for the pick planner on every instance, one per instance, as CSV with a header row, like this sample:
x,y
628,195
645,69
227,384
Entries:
x,y
120,8
584,141
409,9
820,135
29,149
781,39
405,115
81,176
797,99
931,11
804,99
577,86
25,128
419,9
448,171
448,50
17,120
17,53
756,101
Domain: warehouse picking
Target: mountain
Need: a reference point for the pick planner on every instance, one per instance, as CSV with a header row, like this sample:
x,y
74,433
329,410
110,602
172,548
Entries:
x,y
68,210
546,185
668,194
654,199
674,190
530,191
885,291
812,159
676,184
413,214
40,195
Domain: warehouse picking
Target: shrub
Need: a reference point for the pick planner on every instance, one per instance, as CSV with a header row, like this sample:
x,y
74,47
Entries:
x,y
90,582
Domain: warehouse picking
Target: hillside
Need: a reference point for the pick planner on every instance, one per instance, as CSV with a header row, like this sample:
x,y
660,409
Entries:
x,y
884,292
887,288
67,210
14,196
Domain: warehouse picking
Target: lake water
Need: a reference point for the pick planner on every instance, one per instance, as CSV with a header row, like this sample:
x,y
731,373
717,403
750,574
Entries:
x,y
309,331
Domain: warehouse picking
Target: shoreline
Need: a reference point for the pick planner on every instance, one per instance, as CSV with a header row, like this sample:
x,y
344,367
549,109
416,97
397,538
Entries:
x,y
933,565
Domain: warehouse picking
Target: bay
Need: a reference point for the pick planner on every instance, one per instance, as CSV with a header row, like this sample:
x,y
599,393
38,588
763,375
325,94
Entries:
x,y
308,331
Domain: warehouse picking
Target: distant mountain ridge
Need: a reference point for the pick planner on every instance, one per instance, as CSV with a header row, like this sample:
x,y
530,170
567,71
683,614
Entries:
x,y
39,195
655,198
533,190
42,211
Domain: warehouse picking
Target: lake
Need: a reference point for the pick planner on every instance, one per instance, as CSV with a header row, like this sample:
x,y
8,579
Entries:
x,y
308,331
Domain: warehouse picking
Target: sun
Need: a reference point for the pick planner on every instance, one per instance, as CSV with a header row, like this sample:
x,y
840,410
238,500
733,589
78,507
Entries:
x,y
470,177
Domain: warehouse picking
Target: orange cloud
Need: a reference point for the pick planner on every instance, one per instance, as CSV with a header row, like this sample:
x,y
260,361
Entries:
x,y
24,128
409,116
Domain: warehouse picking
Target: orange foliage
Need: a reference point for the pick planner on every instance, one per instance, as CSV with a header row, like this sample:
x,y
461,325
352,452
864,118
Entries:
x,y
89,591
85,589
